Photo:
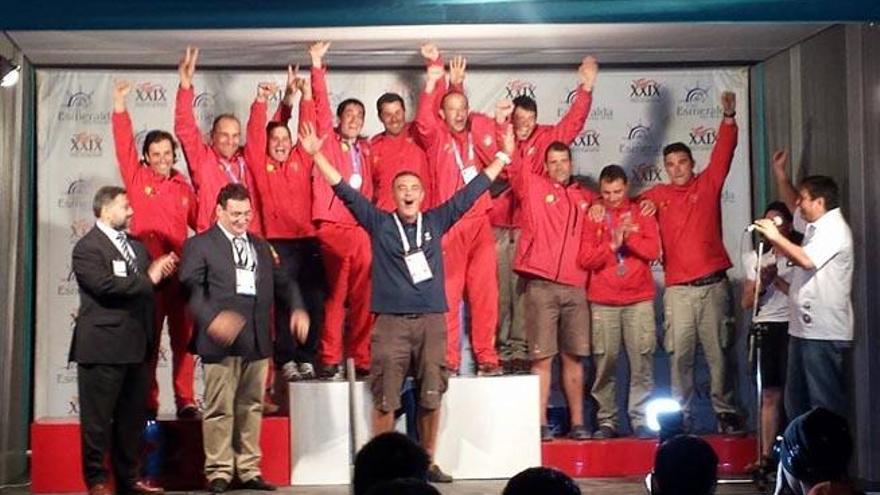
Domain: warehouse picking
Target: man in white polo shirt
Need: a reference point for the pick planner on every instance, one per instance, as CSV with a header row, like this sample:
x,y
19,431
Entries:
x,y
821,318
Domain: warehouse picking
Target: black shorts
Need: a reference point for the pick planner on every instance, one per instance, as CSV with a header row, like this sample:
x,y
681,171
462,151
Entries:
x,y
774,353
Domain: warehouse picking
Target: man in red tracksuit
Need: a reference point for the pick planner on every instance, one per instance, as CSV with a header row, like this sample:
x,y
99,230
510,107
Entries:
x,y
345,245
165,207
211,166
556,313
459,143
697,299
532,140
283,179
618,251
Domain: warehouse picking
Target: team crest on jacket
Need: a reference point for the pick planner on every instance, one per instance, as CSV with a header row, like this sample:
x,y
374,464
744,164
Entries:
x,y
427,236
531,151
270,168
148,191
487,140
549,198
584,205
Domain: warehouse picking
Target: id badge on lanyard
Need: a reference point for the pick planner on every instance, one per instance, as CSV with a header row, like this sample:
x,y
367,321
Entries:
x,y
357,178
415,260
469,172
232,177
245,281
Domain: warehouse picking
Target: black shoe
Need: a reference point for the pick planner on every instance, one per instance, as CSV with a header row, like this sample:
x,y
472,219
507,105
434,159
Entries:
x,y
546,434
257,483
729,424
604,433
189,411
361,373
218,485
331,372
435,475
578,432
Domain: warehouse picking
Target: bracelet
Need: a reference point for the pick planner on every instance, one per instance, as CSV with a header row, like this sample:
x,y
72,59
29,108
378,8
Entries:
x,y
730,115
503,157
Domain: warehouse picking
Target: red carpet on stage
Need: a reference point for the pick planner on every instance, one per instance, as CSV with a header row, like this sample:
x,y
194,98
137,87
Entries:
x,y
56,463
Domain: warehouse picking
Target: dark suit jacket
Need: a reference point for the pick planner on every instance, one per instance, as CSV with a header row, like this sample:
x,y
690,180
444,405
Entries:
x,y
207,269
115,320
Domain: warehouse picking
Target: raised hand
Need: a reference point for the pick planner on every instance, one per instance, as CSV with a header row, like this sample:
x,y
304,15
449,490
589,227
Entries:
x,y
503,110
309,140
265,90
780,163
317,50
120,91
508,141
292,86
304,84
430,52
587,72
728,103
596,212
457,68
187,67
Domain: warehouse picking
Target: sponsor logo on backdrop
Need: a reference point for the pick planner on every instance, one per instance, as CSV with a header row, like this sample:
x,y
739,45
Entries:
x,y
67,285
77,194
586,142
701,137
728,196
65,375
645,175
78,107
150,95
596,112
85,144
78,228
638,139
276,97
696,101
73,404
203,108
519,87
644,89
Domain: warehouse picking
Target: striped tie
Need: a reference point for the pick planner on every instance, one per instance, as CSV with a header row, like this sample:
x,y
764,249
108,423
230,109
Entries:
x,y
242,256
127,253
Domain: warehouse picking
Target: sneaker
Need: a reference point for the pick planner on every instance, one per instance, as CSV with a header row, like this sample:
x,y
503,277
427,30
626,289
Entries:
x,y
331,372
361,373
643,432
435,475
604,433
729,424
489,370
546,433
306,371
290,372
509,366
218,485
524,367
578,432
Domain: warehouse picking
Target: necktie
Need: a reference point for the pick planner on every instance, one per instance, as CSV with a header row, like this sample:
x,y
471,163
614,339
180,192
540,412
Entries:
x,y
242,258
127,252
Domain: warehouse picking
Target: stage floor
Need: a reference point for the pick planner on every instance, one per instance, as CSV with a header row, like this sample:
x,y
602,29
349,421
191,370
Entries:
x,y
601,486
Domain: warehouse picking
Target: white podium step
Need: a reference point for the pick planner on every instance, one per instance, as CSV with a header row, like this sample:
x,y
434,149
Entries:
x,y
490,428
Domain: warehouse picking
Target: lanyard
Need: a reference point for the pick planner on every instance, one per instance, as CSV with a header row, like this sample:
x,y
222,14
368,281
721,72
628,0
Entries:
x,y
229,172
457,152
355,156
403,239
621,251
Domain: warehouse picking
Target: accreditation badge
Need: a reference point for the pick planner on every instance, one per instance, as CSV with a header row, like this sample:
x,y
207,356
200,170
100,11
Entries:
x,y
417,264
245,282
469,173
356,181
120,269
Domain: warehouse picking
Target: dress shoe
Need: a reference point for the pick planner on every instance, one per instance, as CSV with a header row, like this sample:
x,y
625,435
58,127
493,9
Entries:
x,y
604,432
489,370
578,432
257,483
435,475
189,411
140,487
100,489
218,485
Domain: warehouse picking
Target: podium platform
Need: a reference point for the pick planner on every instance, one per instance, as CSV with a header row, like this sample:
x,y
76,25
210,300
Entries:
x,y
489,428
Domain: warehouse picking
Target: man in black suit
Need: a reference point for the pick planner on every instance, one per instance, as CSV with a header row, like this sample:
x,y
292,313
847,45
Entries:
x,y
111,342
233,279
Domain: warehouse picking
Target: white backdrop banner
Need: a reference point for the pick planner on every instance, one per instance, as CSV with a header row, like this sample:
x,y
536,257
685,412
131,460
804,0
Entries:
x,y
635,112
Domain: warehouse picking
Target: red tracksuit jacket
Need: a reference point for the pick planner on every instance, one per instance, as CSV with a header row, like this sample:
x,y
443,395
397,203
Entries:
x,y
530,153
164,208
608,283
391,155
285,189
206,167
690,216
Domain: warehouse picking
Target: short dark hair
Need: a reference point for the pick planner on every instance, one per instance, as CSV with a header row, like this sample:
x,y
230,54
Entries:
x,y
678,147
526,103
782,208
388,456
403,486
224,116
105,196
612,173
541,480
817,446
345,103
156,136
557,146
235,192
404,173
271,126
389,98
822,186
685,464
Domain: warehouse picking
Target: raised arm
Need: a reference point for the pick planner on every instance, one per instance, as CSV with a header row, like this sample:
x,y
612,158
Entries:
x,y
784,186
725,144
123,134
428,123
185,126
574,119
319,88
255,146
285,106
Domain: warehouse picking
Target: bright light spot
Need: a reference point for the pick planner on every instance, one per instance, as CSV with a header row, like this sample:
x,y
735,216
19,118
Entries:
x,y
657,407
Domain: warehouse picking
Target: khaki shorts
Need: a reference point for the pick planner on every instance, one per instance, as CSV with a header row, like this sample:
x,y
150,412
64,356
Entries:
x,y
404,345
557,319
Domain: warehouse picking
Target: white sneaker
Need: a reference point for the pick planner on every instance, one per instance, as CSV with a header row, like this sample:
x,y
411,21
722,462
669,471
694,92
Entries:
x,y
290,372
306,371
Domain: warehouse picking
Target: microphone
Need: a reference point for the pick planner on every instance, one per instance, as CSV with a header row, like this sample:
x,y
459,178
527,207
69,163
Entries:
x,y
776,221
